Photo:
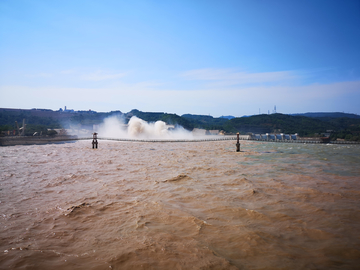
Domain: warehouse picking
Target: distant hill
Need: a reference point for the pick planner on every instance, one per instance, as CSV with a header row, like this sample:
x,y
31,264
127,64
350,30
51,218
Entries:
x,y
198,117
42,118
342,125
327,115
268,123
206,121
227,117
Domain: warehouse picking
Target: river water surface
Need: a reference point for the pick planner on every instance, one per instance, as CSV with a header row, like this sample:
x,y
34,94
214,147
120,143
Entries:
x,y
176,205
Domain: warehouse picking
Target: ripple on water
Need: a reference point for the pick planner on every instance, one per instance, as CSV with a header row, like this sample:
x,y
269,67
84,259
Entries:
x,y
132,205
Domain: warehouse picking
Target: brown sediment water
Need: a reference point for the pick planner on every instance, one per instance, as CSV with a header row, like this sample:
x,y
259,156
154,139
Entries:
x,y
137,205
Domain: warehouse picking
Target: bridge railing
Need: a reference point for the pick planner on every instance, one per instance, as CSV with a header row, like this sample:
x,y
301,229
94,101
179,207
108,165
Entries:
x,y
224,138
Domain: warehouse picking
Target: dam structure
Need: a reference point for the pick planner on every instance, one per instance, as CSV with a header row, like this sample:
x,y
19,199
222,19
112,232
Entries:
x,y
294,138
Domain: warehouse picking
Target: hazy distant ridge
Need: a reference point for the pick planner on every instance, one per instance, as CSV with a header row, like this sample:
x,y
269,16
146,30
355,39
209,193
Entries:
x,y
342,125
327,114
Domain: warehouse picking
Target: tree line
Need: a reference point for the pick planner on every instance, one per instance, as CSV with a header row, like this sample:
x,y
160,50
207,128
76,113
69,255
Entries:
x,y
339,126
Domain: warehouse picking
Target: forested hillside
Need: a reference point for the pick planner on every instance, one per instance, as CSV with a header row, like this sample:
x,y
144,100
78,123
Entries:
x,y
338,124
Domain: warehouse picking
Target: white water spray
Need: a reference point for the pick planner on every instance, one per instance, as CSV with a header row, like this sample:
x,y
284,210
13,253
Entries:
x,y
114,127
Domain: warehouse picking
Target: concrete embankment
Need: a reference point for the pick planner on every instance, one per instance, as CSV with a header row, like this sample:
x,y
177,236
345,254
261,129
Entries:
x,y
305,141
28,140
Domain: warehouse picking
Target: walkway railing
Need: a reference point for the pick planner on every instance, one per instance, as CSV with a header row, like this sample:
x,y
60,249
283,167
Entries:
x,y
223,138
4,141
305,141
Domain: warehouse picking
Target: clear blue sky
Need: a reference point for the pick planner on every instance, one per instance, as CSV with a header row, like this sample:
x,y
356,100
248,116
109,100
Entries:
x,y
199,56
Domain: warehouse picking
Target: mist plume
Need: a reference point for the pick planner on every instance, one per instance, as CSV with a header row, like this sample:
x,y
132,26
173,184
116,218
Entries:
x,y
115,127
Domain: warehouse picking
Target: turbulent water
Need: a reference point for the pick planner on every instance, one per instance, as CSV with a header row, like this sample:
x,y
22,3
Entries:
x,y
195,205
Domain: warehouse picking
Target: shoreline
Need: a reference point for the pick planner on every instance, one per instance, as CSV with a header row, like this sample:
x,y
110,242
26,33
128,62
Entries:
x,y
29,140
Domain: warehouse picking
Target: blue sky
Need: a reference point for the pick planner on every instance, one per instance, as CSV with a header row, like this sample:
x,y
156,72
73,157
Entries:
x,y
199,56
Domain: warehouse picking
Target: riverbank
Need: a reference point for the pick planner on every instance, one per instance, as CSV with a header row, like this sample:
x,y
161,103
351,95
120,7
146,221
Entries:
x,y
30,140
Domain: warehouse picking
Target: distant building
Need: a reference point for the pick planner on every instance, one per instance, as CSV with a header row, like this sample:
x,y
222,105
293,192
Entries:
x,y
66,110
199,132
214,132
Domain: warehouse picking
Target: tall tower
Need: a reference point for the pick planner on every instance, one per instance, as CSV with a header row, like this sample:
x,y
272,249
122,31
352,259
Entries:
x,y
275,109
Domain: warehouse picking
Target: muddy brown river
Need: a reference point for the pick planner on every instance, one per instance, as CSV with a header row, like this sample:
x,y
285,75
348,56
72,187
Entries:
x,y
177,205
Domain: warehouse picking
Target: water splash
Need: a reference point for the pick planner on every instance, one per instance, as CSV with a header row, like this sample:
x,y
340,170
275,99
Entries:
x,y
114,127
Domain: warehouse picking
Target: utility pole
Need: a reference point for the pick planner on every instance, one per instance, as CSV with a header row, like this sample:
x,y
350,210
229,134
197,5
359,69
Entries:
x,y
17,128
23,128
237,142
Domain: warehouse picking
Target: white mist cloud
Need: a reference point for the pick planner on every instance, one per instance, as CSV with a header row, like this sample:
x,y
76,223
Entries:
x,y
114,127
